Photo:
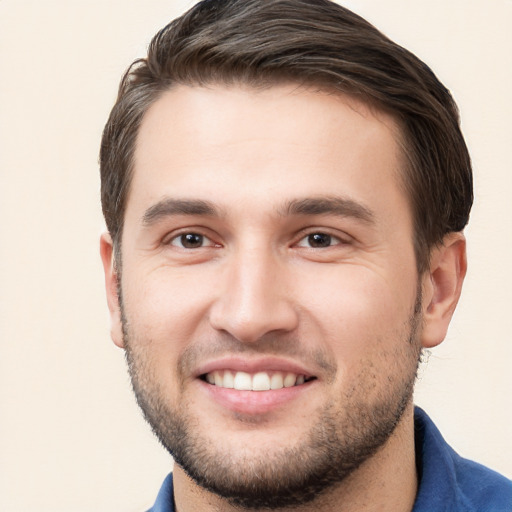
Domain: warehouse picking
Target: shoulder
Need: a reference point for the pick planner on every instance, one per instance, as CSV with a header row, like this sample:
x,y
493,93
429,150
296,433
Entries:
x,y
451,483
481,488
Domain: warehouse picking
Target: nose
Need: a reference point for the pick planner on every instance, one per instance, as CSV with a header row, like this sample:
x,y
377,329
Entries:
x,y
254,298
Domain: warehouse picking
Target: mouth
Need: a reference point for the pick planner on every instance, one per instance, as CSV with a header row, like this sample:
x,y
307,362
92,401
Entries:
x,y
253,388
259,381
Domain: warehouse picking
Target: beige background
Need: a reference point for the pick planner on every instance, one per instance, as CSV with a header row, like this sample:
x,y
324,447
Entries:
x,y
71,437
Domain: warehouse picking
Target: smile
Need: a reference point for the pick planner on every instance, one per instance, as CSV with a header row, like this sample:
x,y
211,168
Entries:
x,y
260,381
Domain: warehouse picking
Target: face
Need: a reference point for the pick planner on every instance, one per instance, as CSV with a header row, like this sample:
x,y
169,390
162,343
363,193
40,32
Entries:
x,y
269,287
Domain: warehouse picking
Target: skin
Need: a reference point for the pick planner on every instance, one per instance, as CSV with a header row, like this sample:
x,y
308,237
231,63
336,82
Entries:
x,y
255,292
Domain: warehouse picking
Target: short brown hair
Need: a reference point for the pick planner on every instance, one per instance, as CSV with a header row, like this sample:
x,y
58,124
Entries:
x,y
311,42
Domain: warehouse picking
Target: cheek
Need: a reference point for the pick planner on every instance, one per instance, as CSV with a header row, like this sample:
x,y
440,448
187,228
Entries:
x,y
164,314
358,312
366,326
165,309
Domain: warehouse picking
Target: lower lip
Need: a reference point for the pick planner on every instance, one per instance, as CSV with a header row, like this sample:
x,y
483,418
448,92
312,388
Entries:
x,y
254,402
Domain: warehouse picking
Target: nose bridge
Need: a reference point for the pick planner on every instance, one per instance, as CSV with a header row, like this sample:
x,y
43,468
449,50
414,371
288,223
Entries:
x,y
254,299
255,283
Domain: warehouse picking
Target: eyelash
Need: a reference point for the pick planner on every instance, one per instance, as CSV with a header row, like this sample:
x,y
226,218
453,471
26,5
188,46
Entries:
x,y
323,237
178,240
331,240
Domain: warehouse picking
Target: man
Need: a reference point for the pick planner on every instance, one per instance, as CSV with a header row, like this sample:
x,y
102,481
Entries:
x,y
285,191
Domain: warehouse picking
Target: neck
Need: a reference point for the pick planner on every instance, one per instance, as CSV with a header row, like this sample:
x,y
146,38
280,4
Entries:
x,y
386,481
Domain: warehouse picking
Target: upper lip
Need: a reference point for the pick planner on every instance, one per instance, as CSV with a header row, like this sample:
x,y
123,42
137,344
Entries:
x,y
254,365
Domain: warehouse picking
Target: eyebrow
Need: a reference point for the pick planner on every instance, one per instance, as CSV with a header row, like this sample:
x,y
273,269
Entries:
x,y
329,205
323,205
170,206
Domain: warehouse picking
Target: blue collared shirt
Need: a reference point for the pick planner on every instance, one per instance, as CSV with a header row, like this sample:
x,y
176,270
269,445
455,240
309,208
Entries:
x,y
447,482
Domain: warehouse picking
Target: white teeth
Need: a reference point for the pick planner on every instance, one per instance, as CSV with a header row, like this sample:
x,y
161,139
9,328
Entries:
x,y
289,380
276,381
261,381
229,380
243,381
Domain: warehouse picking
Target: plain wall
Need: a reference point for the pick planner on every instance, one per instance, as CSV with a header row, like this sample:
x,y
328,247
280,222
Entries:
x,y
71,436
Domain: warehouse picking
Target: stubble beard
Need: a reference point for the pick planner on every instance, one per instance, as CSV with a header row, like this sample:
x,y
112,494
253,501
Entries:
x,y
348,432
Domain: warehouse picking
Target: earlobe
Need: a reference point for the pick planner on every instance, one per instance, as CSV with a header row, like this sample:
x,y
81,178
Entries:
x,y
111,287
442,286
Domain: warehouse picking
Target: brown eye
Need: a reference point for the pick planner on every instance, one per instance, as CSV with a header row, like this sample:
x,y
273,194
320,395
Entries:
x,y
318,240
189,241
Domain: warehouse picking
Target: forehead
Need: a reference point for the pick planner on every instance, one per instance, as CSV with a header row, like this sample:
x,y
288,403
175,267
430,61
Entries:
x,y
283,142
211,111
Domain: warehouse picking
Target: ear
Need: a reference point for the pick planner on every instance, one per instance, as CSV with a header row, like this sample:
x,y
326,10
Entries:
x,y
442,285
111,286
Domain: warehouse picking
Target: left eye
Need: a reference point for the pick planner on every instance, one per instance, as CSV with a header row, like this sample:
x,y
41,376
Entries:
x,y
319,240
191,241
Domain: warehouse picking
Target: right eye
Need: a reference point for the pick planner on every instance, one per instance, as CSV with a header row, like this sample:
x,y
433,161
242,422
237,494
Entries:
x,y
319,240
191,240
